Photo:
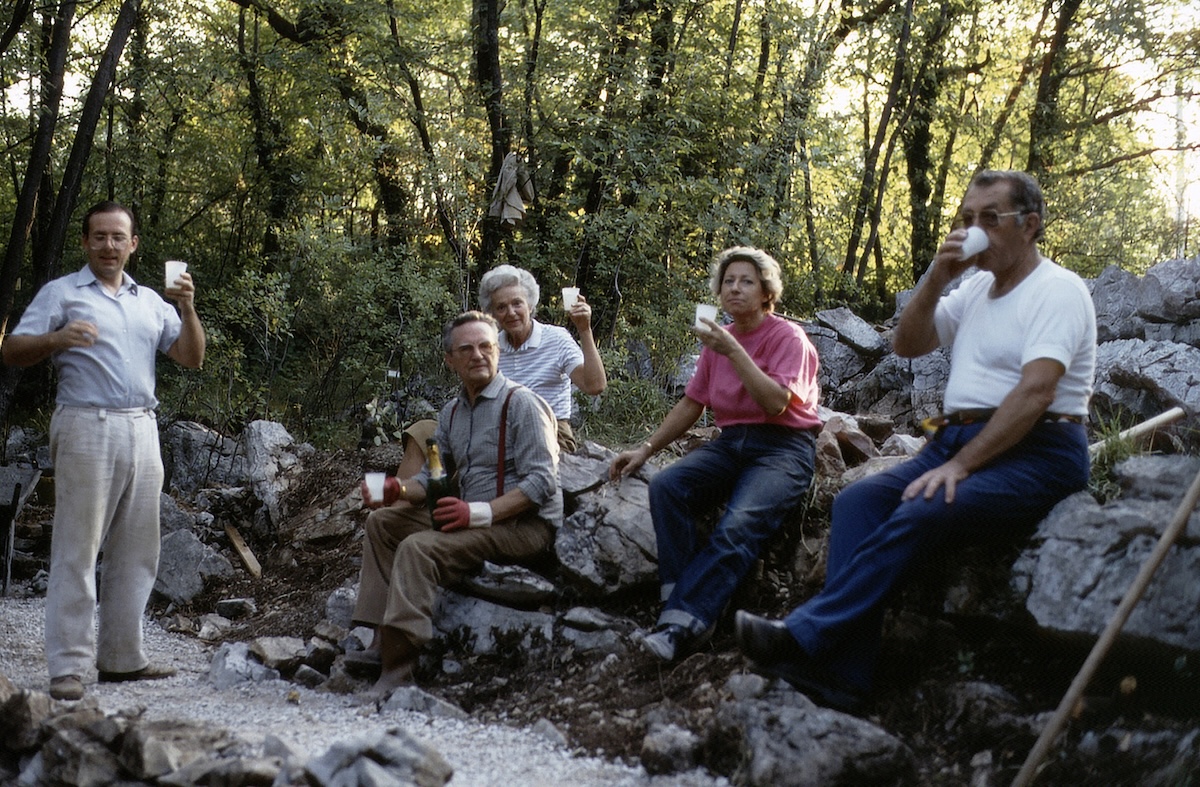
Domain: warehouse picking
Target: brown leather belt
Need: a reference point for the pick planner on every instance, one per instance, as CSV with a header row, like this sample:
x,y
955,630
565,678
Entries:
x,y
965,417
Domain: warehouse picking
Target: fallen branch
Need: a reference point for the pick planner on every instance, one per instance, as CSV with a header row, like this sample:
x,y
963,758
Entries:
x,y
1139,431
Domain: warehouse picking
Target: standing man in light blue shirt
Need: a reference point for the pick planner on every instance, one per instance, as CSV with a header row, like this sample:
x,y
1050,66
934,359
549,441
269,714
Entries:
x,y
102,330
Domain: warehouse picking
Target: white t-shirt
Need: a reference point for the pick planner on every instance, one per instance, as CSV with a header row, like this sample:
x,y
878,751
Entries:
x,y
1048,315
544,363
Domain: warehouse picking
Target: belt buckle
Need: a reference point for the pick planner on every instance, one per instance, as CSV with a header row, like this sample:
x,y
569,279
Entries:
x,y
934,423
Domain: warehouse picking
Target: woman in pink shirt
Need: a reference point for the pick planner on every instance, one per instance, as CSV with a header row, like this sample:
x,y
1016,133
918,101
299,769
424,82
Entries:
x,y
758,375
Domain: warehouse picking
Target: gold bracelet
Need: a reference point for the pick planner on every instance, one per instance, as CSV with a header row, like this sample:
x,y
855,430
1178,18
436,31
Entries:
x,y
404,492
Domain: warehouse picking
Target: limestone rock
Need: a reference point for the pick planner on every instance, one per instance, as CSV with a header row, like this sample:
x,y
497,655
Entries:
x,y
486,624
390,757
185,566
1084,557
669,748
232,665
856,332
784,739
515,586
608,544
279,653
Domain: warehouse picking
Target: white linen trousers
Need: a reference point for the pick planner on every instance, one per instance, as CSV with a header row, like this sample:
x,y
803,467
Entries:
x,y
108,475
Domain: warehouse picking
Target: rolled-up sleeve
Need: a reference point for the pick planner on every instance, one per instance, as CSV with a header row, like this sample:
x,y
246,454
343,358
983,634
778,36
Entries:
x,y
534,458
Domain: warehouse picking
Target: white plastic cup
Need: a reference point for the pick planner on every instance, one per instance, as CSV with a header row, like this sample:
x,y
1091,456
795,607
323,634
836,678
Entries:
x,y
173,270
706,311
975,242
570,295
375,486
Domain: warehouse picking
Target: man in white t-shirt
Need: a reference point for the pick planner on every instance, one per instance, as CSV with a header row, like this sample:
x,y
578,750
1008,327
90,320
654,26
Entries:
x,y
1022,334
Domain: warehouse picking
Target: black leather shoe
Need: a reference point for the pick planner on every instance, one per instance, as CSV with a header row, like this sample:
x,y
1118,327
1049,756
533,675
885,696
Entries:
x,y
151,671
774,652
766,641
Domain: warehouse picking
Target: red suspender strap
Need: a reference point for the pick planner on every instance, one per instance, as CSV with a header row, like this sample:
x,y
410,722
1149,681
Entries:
x,y
500,450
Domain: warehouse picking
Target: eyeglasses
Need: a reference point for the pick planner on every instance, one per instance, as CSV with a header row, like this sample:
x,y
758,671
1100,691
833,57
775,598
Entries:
x,y
99,240
469,350
988,219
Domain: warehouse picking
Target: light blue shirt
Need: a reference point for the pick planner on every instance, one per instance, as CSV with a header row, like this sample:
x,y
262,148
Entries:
x,y
135,324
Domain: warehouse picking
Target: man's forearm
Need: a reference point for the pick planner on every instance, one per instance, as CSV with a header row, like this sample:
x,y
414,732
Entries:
x,y
1017,414
188,350
915,333
512,503
26,350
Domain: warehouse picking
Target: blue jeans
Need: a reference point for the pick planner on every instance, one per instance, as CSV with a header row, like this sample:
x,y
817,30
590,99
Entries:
x,y
760,473
875,538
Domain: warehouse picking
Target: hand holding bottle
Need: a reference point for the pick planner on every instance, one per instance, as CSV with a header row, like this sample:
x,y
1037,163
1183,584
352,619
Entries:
x,y
452,513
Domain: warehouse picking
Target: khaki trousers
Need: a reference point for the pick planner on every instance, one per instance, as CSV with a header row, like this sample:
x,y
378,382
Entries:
x,y
108,477
405,561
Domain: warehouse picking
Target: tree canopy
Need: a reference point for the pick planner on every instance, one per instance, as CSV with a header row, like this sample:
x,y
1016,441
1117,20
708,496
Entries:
x,y
327,166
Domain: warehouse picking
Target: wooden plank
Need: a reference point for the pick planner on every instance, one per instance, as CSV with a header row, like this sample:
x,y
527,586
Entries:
x,y
243,551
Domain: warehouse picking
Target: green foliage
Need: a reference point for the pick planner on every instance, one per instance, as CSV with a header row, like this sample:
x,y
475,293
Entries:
x,y
326,169
384,421
966,662
625,413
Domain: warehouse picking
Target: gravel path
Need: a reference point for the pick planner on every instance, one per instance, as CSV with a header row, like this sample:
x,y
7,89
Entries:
x,y
310,721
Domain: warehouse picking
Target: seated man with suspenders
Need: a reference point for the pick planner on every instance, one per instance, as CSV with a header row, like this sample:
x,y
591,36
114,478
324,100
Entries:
x,y
501,438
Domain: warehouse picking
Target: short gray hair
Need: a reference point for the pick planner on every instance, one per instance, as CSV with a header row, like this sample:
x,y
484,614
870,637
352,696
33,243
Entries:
x,y
463,319
1023,190
506,276
765,264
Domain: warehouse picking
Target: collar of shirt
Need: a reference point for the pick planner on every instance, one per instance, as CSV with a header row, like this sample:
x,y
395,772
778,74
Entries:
x,y
86,277
490,391
532,343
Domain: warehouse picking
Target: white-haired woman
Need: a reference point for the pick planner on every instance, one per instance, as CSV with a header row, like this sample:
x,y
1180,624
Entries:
x,y
539,356
759,377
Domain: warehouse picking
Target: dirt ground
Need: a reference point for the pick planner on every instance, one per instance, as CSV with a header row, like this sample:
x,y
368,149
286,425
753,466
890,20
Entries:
x,y
604,709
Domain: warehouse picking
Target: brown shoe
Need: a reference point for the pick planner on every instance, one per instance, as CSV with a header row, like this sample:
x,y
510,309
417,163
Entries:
x,y
66,687
398,658
151,671
363,663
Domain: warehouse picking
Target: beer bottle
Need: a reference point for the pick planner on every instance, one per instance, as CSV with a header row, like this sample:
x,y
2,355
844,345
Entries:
x,y
439,483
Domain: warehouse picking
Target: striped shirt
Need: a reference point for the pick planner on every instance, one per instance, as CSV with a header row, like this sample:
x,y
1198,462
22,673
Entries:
x,y
544,363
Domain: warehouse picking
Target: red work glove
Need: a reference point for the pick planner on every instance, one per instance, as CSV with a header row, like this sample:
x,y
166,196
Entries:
x,y
454,514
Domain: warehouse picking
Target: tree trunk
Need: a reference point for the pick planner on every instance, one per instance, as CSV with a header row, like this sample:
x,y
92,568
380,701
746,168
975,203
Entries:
x,y
271,146
1010,102
1046,122
490,80
47,256
20,12
865,218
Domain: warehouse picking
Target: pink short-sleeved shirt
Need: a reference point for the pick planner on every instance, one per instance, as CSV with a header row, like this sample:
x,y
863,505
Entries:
x,y
782,350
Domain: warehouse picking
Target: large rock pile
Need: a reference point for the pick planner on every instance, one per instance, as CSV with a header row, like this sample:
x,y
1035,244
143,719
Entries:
x,y
1067,580
77,744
